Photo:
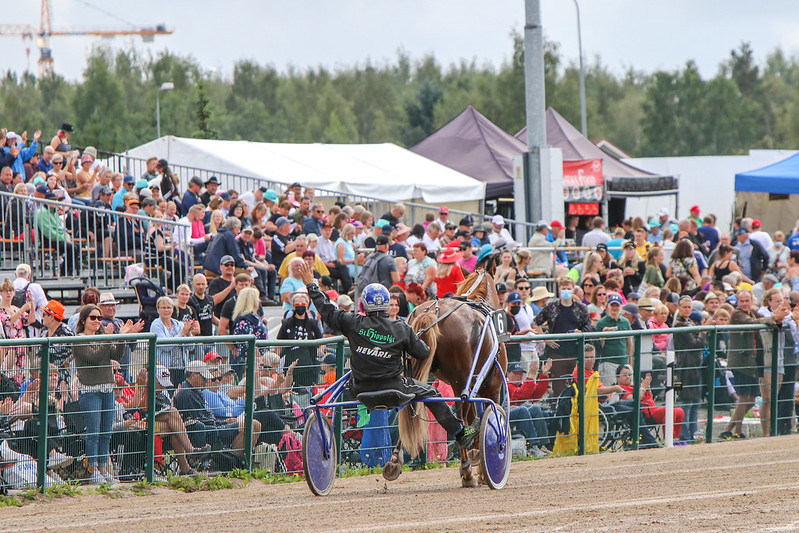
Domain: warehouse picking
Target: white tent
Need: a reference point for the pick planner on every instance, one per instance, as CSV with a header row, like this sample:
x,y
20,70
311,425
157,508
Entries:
x,y
384,171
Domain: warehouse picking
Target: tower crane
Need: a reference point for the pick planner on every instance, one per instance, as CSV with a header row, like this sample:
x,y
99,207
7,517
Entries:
x,y
45,31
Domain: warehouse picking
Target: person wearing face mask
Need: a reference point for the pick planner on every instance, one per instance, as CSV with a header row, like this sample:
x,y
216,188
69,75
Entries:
x,y
299,325
564,315
778,255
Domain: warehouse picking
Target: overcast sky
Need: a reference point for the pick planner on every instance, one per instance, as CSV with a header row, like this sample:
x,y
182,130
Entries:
x,y
644,34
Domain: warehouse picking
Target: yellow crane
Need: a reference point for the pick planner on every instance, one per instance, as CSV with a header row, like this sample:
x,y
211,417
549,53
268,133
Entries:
x,y
45,31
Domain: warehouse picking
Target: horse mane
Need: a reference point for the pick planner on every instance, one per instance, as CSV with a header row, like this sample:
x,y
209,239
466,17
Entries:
x,y
486,291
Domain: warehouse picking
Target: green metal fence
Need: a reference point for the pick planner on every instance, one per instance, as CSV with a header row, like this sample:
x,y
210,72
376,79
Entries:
x,y
145,354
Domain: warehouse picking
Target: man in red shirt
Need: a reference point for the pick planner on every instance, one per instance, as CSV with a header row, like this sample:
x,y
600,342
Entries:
x,y
525,416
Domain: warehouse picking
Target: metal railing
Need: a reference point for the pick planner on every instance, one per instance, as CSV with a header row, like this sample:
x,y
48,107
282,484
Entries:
x,y
61,240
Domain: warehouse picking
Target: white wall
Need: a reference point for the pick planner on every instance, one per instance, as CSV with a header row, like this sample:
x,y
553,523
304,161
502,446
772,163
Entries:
x,y
706,181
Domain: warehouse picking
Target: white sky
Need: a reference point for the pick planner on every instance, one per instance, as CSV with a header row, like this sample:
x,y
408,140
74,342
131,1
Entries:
x,y
644,34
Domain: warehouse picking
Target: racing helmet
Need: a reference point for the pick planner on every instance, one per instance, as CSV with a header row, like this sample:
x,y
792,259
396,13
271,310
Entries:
x,y
375,297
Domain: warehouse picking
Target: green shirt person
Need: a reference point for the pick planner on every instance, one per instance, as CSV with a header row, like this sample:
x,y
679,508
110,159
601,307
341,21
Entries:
x,y
613,351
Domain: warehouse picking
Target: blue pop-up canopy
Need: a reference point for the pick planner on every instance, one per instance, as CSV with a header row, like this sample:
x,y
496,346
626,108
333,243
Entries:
x,y
781,177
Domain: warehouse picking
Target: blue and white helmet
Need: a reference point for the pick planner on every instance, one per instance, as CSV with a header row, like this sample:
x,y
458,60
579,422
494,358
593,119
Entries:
x,y
374,297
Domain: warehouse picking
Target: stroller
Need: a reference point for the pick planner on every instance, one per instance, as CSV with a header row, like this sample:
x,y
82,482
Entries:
x,y
147,292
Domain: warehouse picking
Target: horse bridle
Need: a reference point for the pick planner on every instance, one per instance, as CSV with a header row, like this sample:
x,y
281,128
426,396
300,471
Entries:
x,y
480,276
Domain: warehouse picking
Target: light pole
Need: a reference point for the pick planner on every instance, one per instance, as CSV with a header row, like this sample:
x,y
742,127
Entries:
x,y
166,86
583,123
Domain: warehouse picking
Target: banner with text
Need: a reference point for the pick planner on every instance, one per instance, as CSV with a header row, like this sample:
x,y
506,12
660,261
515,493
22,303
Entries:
x,y
583,181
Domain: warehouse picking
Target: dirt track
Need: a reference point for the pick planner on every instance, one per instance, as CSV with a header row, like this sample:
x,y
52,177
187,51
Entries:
x,y
745,486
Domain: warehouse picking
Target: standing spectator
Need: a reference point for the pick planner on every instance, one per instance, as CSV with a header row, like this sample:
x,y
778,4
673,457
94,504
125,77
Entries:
x,y
397,211
220,289
45,163
298,325
772,302
762,237
469,261
345,251
292,283
243,281
300,247
60,143
13,321
93,363
431,238
752,257
326,251
653,274
183,311
710,232
14,142
524,316
203,305
387,274
597,235
246,321
192,194
175,356
53,321
683,266
613,351
564,315
742,359
260,270
421,268
632,268
448,274
443,218
541,261
778,255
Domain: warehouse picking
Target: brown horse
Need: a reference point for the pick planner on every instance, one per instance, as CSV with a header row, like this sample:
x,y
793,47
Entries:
x,y
453,341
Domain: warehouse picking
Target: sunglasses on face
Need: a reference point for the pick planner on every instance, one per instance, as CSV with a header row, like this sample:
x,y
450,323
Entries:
x,y
523,288
94,317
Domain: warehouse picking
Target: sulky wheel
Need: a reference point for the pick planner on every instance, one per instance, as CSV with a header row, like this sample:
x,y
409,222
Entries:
x,y
495,446
319,454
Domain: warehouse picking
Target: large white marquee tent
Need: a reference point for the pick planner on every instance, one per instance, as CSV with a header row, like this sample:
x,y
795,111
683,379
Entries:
x,y
384,171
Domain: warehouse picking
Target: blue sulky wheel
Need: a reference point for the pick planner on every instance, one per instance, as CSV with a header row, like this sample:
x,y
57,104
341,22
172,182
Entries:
x,y
319,454
495,446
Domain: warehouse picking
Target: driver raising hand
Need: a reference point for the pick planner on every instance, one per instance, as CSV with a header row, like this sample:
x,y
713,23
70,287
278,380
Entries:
x,y
377,344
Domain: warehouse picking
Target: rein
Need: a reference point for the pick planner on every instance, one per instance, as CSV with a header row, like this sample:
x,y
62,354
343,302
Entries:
x,y
442,317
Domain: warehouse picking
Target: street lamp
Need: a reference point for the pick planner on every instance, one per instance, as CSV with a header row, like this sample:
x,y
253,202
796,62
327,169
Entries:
x,y
166,86
583,123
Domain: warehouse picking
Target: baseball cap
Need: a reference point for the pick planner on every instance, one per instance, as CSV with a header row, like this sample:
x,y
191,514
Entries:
x,y
198,367
756,223
129,179
601,246
133,201
466,221
344,300
282,221
771,277
211,356
663,212
514,298
42,189
163,376
515,367
629,244
196,180
498,220
633,296
732,300
141,184
330,359
556,224
86,158
382,223
614,298
227,259
632,309
444,209
224,195
502,288
742,231
107,189
38,180
381,240
695,208
148,202
673,298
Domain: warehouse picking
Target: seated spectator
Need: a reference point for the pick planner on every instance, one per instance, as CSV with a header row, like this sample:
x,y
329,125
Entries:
x,y
260,270
657,414
54,235
175,356
291,284
183,311
207,428
525,416
246,320
300,247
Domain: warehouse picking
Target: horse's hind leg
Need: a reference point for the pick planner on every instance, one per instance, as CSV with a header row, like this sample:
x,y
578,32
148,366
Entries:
x,y
393,468
467,478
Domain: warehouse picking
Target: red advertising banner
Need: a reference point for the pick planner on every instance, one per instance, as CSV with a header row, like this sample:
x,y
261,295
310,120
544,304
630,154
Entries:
x,y
583,208
583,181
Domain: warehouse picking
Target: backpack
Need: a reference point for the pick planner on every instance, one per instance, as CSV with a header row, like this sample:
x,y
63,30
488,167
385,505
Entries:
x,y
20,296
292,447
368,274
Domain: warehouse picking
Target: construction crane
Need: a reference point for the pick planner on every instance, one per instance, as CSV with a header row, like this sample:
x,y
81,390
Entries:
x,y
45,31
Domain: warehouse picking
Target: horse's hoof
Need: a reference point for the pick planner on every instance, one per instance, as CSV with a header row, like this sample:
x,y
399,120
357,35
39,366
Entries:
x,y
474,455
392,469
468,482
466,468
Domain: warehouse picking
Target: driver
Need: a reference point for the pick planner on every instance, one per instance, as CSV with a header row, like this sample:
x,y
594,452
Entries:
x,y
377,344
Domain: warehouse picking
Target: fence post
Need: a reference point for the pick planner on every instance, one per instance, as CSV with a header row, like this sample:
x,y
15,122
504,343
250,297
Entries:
x,y
710,379
149,461
637,391
44,386
249,401
337,411
775,353
581,395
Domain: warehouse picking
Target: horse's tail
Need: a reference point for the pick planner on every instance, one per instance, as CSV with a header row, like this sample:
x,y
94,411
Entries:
x,y
412,426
